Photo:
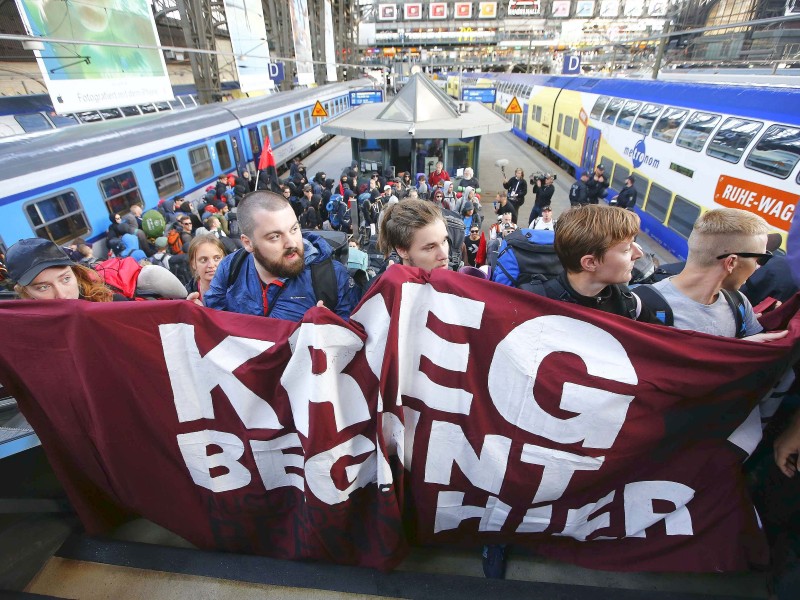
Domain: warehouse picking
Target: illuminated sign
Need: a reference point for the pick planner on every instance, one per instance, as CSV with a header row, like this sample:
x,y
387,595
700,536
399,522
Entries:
x,y
360,97
488,95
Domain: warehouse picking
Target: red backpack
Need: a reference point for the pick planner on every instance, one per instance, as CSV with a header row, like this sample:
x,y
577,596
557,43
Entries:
x,y
120,274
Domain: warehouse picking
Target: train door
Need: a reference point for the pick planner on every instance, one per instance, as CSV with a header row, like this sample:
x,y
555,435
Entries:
x,y
237,155
590,146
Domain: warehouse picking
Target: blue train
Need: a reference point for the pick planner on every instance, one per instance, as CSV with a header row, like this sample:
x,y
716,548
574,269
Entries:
x,y
64,183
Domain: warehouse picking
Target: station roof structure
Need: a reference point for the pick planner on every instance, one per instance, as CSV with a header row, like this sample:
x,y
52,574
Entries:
x,y
419,110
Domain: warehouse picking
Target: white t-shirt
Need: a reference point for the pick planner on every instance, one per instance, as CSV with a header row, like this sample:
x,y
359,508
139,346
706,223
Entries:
x,y
539,223
716,318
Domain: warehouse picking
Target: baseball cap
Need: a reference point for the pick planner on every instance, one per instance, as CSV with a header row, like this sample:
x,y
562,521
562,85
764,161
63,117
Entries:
x,y
774,241
387,187
27,258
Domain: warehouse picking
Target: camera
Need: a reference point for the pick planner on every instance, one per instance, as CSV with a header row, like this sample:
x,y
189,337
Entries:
x,y
540,177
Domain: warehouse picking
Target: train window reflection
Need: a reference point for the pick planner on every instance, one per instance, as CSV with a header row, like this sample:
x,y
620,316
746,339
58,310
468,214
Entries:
x,y
275,132
287,127
610,114
697,130
59,218
777,152
130,111
621,173
91,116
63,120
306,119
682,216
32,122
120,192
298,123
223,155
167,177
669,123
644,122
658,202
598,107
200,160
732,138
627,114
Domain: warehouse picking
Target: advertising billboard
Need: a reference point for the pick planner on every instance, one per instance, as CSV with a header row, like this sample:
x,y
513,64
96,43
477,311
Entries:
x,y
301,34
89,74
249,42
330,50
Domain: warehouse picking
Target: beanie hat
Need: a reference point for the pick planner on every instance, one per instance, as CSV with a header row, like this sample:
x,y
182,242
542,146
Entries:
x,y
161,243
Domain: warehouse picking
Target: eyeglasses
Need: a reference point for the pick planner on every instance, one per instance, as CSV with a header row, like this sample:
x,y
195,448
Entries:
x,y
474,231
761,258
186,222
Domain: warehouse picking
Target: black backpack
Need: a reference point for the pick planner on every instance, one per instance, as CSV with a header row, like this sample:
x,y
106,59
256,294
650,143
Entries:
x,y
654,300
575,192
526,255
456,231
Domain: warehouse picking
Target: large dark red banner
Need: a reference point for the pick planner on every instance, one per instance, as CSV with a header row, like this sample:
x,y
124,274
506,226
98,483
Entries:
x,y
450,411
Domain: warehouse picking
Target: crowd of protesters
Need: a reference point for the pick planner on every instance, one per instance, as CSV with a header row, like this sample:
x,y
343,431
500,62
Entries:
x,y
254,248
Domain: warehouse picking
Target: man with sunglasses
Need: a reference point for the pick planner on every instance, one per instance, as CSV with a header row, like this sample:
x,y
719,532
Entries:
x,y
726,246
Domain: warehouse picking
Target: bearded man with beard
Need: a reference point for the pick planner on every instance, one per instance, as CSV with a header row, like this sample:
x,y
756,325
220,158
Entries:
x,y
274,278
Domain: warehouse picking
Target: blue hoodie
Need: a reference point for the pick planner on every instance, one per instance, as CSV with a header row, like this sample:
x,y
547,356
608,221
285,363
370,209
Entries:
x,y
297,295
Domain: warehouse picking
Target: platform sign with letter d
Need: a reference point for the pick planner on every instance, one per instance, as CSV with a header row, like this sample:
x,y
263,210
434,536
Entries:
x,y
572,65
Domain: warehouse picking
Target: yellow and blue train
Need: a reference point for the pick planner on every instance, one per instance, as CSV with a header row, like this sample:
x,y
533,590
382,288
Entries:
x,y
690,146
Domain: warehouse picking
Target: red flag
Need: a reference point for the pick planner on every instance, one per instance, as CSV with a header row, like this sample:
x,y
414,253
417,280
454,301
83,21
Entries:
x,y
267,159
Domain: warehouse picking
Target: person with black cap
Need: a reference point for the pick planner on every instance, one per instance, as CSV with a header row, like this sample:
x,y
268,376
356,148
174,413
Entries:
x,y
597,185
627,195
42,271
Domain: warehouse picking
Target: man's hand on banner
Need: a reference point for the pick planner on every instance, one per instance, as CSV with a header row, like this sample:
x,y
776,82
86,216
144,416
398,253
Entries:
x,y
767,336
787,447
195,297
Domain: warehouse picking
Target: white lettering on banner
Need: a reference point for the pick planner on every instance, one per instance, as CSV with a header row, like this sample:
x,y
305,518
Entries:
x,y
192,377
415,340
450,512
448,445
194,449
398,439
516,362
375,319
304,386
536,520
318,470
271,461
559,467
580,526
639,514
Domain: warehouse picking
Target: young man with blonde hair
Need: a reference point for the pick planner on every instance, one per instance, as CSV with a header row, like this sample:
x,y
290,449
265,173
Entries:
x,y
726,246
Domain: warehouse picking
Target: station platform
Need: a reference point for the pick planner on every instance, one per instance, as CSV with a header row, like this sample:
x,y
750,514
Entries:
x,y
334,157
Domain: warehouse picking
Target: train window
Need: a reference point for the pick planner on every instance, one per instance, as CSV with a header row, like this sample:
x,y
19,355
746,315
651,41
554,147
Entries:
x,y
200,160
147,109
682,216
574,135
621,173
120,192
275,132
669,123
644,122
538,114
255,142
777,152
110,113
560,119
328,108
59,218
627,114
697,130
167,177
223,155
306,119
732,138
610,114
89,116
298,122
163,106
568,126
287,127
130,111
32,122
658,202
63,120
599,106
176,103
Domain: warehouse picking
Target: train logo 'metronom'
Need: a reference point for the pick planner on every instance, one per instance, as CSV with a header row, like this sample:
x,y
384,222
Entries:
x,y
638,155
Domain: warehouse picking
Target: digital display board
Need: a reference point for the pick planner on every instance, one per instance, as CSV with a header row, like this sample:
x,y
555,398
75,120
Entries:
x,y
488,95
360,97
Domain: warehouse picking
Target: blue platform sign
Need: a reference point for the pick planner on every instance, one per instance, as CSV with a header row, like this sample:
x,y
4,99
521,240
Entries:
x,y
360,97
572,65
276,72
488,95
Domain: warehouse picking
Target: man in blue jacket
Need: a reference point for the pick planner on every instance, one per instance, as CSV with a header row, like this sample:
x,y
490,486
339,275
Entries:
x,y
274,278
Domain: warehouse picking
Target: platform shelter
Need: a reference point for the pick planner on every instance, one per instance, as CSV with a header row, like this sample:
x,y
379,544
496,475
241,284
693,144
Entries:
x,y
420,126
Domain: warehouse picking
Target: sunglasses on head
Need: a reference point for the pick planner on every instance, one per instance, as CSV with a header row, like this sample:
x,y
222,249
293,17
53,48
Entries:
x,y
761,258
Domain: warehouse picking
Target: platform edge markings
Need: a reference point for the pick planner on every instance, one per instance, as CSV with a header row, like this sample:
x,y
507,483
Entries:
x,y
346,579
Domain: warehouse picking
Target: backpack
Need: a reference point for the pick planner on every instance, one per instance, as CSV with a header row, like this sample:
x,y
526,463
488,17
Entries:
x,y
654,300
455,234
334,218
153,224
161,259
526,255
555,290
174,242
120,274
575,193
